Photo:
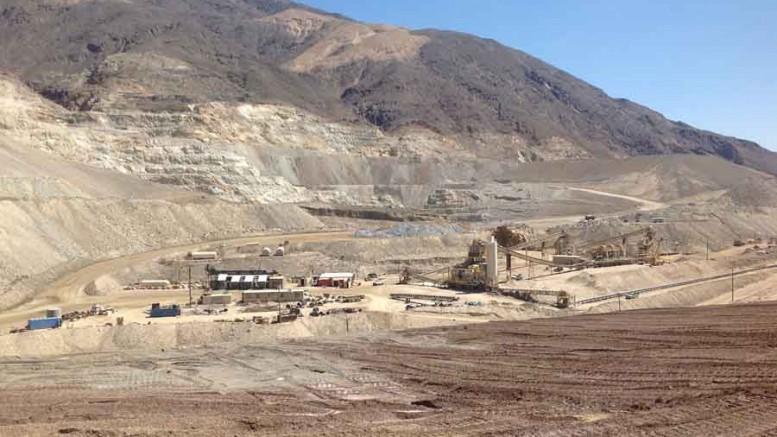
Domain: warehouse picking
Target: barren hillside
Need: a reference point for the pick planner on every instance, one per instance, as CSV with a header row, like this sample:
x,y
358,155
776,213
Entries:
x,y
481,97
285,143
56,216
272,153
133,125
79,186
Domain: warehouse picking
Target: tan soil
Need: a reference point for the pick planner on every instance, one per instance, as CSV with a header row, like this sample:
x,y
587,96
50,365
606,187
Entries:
x,y
701,371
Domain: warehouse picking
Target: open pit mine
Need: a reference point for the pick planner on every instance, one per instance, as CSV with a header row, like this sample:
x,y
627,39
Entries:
x,y
258,218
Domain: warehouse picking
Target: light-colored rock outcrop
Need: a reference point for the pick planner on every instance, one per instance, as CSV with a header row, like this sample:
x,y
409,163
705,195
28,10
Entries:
x,y
239,152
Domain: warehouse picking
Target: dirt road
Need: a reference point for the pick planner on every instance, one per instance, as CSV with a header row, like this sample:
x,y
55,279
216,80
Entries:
x,y
645,205
67,292
693,371
547,222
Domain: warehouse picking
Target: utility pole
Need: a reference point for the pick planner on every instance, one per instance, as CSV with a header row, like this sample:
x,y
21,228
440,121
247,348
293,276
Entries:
x,y
619,303
190,285
528,263
732,285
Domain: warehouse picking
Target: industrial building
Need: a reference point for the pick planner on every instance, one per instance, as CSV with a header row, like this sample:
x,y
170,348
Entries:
x,y
480,271
241,279
291,295
338,280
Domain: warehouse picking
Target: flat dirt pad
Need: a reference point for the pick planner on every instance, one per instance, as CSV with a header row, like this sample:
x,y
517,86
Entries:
x,y
699,371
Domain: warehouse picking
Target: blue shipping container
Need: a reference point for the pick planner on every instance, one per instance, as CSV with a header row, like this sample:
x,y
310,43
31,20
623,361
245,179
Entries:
x,y
160,311
45,323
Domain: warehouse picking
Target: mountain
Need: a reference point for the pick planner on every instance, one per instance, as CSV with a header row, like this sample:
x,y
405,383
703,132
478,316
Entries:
x,y
475,97
132,125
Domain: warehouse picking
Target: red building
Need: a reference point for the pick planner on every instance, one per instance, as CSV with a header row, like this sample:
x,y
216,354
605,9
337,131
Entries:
x,y
338,280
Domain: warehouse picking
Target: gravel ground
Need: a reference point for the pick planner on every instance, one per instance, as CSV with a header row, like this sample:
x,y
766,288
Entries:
x,y
696,371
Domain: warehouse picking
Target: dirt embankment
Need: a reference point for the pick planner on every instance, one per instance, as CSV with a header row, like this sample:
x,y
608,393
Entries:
x,y
180,335
700,371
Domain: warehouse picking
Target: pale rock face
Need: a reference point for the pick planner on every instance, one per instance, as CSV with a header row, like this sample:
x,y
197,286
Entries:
x,y
259,153
239,152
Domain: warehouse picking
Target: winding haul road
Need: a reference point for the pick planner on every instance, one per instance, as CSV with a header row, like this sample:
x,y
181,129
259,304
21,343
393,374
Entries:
x,y
67,292
644,204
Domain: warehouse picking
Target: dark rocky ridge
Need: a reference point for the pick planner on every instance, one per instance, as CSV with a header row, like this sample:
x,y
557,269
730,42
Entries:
x,y
475,91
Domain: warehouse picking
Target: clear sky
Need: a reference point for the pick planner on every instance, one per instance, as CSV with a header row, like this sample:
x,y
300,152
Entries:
x,y
709,63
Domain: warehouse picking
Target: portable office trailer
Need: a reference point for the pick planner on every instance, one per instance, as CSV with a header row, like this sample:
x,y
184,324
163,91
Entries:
x,y
44,323
158,310
155,284
216,299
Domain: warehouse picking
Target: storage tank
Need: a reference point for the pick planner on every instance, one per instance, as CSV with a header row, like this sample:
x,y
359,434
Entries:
x,y
55,313
203,255
266,251
280,251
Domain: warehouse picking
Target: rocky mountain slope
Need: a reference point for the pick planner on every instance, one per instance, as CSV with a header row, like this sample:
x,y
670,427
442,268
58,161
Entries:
x,y
272,153
56,216
80,186
131,125
59,214
423,92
